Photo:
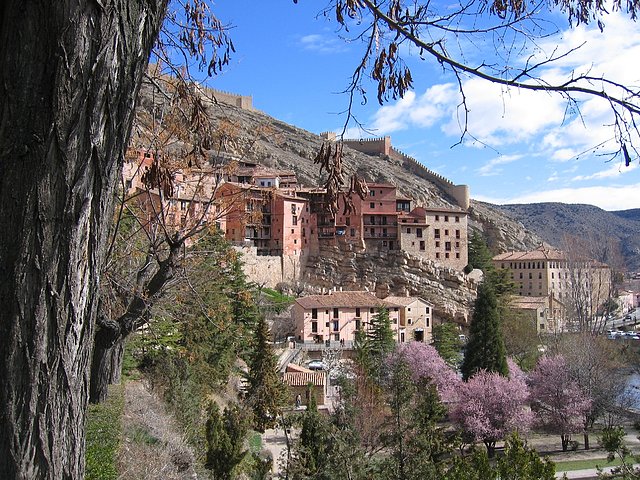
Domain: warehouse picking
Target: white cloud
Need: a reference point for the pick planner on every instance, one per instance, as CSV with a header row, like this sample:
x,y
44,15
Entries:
x,y
492,166
322,43
615,170
415,111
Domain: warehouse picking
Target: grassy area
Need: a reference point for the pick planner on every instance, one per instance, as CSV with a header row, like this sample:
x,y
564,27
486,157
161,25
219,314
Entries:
x,y
104,433
255,442
588,463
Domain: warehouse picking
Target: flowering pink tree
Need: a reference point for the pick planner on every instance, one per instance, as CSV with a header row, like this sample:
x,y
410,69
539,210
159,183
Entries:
x,y
491,406
425,363
557,400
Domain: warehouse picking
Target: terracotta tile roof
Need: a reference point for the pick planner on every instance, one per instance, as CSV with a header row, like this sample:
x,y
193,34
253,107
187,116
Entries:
x,y
540,253
343,299
530,303
302,379
292,367
404,301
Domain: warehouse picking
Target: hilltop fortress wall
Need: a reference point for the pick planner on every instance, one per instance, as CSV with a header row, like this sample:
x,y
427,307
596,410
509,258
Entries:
x,y
382,146
244,102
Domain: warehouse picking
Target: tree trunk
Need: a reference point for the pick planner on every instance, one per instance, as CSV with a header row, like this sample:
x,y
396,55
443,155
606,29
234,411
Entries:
x,y
108,340
586,441
491,448
69,76
106,365
565,442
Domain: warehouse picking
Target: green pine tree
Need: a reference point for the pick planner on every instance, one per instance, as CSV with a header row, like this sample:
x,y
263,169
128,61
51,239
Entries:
x,y
312,450
479,254
265,391
446,340
225,435
373,347
485,348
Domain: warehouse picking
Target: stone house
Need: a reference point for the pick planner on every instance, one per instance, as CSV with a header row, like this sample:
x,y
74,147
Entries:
x,y
304,382
415,319
546,313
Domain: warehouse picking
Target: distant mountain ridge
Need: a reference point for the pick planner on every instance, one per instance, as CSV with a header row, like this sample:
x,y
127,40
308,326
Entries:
x,y
551,221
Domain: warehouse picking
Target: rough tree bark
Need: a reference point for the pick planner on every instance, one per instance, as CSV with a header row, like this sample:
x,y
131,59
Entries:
x,y
106,366
69,76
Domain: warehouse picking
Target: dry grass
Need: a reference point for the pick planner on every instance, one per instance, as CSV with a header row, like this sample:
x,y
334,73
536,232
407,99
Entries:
x,y
153,446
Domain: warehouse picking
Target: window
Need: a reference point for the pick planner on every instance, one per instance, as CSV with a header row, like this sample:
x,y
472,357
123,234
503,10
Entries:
x,y
336,326
419,232
457,219
314,313
372,193
437,243
520,275
358,324
357,312
293,209
458,234
436,233
530,275
294,220
457,255
295,241
446,255
446,218
292,230
314,327
371,310
335,312
447,246
458,245
437,218
437,254
372,205
347,221
409,321
353,232
408,230
422,247
446,233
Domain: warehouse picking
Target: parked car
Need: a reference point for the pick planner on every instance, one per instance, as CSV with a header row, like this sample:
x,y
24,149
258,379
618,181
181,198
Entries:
x,y
613,334
315,365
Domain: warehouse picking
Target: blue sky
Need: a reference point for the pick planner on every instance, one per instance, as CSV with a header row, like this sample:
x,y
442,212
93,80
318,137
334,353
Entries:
x,y
523,147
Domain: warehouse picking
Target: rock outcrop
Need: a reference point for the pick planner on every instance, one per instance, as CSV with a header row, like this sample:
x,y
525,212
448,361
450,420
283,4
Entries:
x,y
393,273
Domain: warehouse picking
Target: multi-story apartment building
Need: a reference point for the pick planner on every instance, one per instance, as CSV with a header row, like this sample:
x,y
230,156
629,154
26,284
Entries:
x,y
582,285
545,271
268,210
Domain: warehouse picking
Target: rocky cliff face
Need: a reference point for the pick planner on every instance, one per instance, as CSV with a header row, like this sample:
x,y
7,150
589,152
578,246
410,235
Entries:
x,y
393,273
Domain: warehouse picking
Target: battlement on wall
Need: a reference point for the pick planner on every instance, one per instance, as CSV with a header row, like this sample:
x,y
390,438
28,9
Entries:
x,y
244,102
382,146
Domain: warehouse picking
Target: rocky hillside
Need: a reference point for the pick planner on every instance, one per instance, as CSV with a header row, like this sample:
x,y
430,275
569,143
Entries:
x,y
257,137
554,220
